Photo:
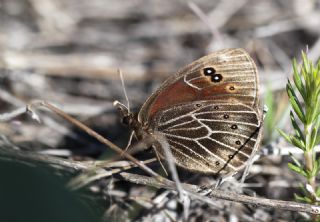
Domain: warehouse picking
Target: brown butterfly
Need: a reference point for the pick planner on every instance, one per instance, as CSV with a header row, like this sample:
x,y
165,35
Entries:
x,y
208,113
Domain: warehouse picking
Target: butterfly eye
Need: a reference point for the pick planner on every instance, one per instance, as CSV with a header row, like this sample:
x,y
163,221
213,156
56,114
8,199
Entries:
x,y
126,120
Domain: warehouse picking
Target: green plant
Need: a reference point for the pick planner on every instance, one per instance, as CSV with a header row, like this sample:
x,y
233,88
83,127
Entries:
x,y
304,97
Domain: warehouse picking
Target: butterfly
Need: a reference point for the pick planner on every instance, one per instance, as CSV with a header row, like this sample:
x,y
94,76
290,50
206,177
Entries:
x,y
208,113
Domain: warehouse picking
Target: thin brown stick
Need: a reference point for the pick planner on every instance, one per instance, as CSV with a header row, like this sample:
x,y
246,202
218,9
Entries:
x,y
256,201
95,135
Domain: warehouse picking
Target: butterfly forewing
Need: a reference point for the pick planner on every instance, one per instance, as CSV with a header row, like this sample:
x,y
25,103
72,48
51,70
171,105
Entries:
x,y
208,112
225,75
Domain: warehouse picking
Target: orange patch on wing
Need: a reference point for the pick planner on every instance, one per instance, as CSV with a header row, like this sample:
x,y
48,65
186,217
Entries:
x,y
174,94
213,91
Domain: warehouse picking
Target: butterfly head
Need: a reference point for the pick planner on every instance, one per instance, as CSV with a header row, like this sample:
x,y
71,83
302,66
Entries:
x,y
129,119
125,115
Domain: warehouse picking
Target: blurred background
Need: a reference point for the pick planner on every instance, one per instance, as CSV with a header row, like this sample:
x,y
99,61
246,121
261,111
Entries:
x,y
68,52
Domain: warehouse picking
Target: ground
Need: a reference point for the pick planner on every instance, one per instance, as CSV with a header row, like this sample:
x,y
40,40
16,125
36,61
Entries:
x,y
68,53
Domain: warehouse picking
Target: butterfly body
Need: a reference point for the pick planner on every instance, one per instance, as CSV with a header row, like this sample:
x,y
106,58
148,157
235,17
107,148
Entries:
x,y
208,113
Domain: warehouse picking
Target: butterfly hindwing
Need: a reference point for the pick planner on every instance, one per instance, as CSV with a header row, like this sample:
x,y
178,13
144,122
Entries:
x,y
215,138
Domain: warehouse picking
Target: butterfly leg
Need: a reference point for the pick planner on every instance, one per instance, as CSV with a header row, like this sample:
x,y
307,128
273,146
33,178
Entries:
x,y
218,183
130,139
158,158
129,143
207,189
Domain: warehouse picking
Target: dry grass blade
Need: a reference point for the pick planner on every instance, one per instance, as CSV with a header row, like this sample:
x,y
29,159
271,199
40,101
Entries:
x,y
92,133
257,201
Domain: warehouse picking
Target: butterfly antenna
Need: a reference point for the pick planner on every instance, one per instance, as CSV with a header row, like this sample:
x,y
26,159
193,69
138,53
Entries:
x,y
124,89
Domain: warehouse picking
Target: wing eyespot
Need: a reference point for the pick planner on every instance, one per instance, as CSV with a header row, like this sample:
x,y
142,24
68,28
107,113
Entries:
x,y
211,72
226,116
216,78
234,126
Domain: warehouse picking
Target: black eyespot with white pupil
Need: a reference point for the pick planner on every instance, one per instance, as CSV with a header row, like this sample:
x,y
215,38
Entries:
x,y
215,77
209,71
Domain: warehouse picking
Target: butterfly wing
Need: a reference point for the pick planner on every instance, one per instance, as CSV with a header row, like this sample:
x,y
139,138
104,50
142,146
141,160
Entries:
x,y
208,112
238,81
209,138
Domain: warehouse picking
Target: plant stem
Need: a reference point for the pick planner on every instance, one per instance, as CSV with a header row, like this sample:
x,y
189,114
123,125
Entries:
x,y
309,165
309,158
